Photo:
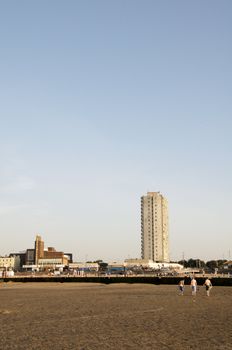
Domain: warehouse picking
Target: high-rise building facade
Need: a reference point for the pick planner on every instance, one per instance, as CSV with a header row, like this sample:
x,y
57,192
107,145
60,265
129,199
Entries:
x,y
39,249
154,227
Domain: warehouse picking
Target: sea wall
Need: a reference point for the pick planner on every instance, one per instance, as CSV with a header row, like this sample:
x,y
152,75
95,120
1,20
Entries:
x,y
216,281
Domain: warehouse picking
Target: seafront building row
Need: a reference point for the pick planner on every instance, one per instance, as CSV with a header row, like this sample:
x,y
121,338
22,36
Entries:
x,y
48,260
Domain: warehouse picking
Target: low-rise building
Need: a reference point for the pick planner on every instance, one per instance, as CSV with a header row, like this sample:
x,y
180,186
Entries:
x,y
150,264
52,263
10,263
84,266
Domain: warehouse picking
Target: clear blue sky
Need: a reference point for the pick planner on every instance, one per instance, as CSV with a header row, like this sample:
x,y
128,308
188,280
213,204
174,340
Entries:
x,y
101,101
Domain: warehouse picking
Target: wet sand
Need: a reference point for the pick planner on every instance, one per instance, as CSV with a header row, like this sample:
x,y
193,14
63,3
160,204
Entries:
x,y
36,316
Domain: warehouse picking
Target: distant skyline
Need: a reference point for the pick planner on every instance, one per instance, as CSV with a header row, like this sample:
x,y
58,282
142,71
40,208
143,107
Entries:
x,y
102,101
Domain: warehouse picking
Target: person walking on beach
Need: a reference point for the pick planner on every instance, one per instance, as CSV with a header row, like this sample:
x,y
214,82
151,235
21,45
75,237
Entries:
x,y
208,286
181,287
194,286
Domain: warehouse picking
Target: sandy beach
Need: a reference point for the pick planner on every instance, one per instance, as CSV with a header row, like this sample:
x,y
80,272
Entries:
x,y
36,316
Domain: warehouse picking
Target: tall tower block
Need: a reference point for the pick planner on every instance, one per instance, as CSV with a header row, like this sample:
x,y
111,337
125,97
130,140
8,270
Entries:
x,y
154,227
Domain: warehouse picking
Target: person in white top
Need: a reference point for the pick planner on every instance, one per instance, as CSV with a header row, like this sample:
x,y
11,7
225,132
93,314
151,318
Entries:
x,y
194,286
208,286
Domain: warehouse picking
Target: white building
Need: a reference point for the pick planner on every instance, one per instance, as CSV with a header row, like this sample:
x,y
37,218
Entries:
x,y
145,263
154,227
12,263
